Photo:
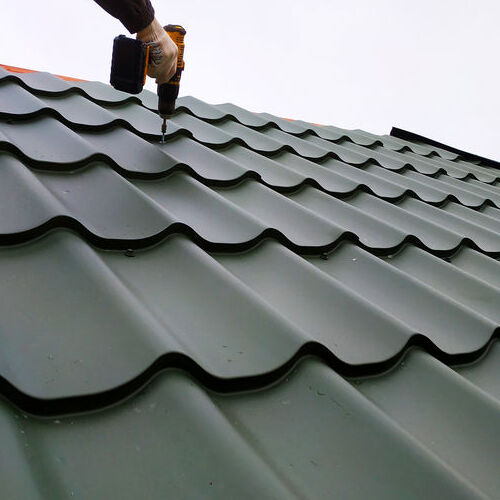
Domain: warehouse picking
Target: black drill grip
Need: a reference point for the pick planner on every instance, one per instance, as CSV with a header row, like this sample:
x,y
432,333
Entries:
x,y
167,94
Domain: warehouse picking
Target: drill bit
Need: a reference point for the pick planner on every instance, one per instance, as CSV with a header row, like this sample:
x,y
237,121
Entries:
x,y
163,130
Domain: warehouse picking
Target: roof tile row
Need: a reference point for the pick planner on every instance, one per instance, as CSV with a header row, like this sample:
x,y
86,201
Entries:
x,y
423,430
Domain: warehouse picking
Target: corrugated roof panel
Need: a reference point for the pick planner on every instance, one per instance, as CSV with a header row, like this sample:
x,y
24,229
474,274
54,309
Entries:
x,y
462,171
311,435
45,83
235,317
142,120
228,255
306,220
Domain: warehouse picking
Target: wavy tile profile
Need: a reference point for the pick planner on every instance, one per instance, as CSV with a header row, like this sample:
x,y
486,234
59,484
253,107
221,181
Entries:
x,y
50,85
233,322
313,435
80,161
78,112
114,212
134,157
258,307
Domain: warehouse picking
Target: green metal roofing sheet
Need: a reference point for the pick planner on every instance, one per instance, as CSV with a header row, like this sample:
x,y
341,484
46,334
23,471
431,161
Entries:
x,y
421,431
257,308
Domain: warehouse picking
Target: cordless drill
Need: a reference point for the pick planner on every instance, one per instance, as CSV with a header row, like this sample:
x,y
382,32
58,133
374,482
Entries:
x,y
129,67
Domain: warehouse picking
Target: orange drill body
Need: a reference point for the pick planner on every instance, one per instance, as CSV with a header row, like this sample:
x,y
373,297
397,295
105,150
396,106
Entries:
x,y
168,92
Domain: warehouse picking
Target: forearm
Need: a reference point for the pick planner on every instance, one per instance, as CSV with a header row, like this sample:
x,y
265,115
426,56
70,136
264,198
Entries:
x,y
135,15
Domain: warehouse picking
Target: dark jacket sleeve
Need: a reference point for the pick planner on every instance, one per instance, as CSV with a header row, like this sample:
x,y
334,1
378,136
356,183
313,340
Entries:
x,y
135,15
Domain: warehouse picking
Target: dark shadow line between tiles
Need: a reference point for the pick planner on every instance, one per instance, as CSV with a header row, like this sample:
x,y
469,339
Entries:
x,y
394,200
88,161
65,222
323,158
132,98
72,89
270,123
83,163
182,108
369,160
327,156
215,146
73,126
307,131
249,174
91,402
226,116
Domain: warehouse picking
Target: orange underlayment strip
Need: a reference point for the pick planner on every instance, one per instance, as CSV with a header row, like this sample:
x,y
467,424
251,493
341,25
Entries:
x,y
292,120
15,69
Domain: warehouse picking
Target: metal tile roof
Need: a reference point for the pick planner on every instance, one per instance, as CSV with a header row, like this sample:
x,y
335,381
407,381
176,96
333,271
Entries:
x,y
247,250
422,431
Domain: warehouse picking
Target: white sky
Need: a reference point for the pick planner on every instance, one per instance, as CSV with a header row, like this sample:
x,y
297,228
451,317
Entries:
x,y
428,66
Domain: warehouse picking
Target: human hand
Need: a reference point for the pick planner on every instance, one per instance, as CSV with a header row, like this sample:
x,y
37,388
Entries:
x,y
162,52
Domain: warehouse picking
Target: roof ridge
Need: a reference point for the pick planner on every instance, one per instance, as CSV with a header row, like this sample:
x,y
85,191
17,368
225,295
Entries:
x,y
413,137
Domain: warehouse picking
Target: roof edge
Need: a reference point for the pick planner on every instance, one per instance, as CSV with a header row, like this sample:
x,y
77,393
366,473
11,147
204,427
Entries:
x,y
411,136
15,69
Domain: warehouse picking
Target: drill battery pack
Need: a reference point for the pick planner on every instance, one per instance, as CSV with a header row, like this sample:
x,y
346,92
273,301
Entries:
x,y
129,64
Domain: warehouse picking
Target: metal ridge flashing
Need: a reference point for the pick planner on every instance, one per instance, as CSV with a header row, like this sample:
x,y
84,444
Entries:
x,y
411,136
